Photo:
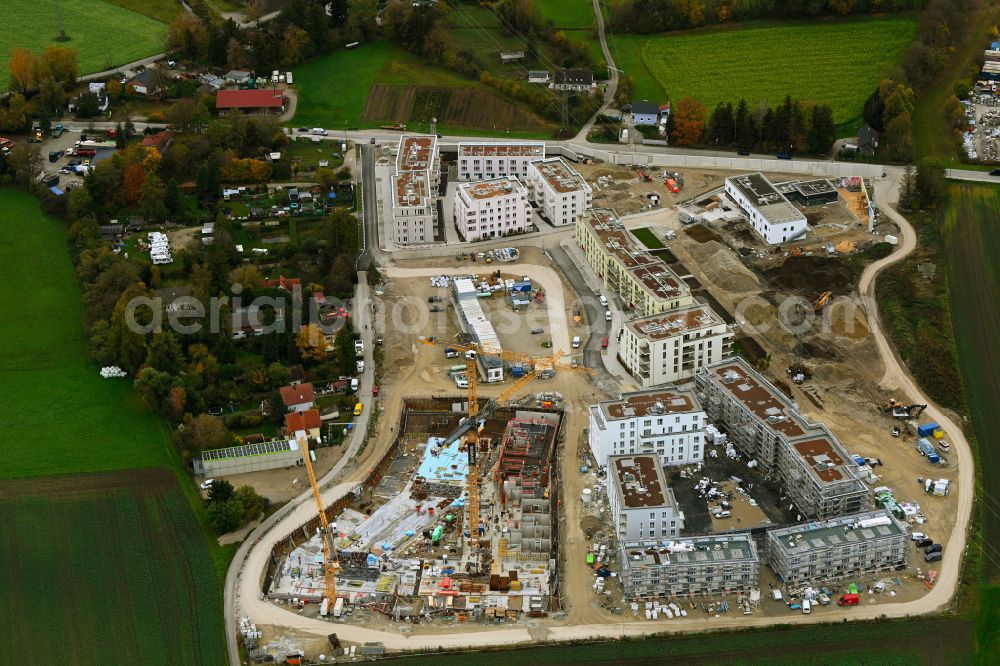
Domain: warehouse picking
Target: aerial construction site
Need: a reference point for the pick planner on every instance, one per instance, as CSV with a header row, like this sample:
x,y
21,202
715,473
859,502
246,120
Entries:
x,y
591,433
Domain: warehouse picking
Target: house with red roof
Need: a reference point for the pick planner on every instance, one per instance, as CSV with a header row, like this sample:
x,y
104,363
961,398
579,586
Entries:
x,y
307,421
298,398
261,100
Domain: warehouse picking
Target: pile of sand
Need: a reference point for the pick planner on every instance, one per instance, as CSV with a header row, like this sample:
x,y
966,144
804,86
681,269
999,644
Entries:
x,y
723,268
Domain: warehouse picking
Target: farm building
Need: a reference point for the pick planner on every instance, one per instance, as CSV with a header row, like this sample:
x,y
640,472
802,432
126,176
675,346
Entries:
x,y
645,284
670,346
273,454
642,505
844,547
487,160
573,80
666,421
717,564
539,76
491,209
508,57
808,461
561,193
264,100
769,213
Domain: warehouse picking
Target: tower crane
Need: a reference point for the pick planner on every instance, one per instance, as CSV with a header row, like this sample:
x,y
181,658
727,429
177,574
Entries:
x,y
469,429
327,532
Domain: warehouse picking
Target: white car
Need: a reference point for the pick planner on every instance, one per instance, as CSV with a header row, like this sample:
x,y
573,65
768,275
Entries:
x,y
207,483
918,536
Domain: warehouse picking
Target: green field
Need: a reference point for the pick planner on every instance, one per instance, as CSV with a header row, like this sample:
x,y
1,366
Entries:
x,y
58,415
567,13
971,233
832,62
105,35
335,91
161,10
100,566
106,569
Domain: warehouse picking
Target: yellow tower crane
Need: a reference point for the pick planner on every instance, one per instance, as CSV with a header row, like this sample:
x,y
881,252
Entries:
x,y
469,429
330,564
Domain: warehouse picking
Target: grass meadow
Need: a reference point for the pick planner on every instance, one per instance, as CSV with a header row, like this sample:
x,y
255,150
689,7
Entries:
x,y
105,35
838,63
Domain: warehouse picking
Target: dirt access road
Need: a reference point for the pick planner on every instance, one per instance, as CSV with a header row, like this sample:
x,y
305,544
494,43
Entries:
x,y
895,376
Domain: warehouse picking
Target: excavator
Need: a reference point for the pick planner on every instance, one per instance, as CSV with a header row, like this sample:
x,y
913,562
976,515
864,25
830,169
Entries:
x,y
898,410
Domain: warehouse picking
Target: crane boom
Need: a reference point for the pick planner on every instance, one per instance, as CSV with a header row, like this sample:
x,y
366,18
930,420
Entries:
x,y
330,564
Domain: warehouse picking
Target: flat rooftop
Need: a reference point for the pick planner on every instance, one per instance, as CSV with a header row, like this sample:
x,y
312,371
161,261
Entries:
x,y
660,280
759,396
616,240
416,153
640,482
560,176
675,322
248,450
812,188
768,201
411,189
654,402
825,457
732,548
836,532
502,149
492,189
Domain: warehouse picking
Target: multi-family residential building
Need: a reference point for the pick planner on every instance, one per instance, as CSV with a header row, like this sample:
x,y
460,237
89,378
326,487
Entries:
x,y
479,160
769,213
642,505
668,423
645,284
718,564
558,190
843,547
763,424
414,190
491,209
672,345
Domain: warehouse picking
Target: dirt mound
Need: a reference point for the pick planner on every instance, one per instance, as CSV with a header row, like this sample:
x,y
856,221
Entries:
x,y
464,107
809,276
723,269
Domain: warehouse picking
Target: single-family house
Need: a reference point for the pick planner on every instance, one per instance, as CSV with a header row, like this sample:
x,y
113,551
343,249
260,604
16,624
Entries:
x,y
307,421
297,374
146,82
299,398
645,113
867,141
160,140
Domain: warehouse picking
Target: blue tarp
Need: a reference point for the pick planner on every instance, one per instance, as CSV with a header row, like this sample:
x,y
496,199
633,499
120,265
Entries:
x,y
56,191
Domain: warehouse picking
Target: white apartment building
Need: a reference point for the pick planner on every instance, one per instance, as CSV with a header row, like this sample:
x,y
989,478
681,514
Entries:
x,y
496,159
642,505
769,213
670,346
491,209
561,193
715,564
414,209
666,422
414,190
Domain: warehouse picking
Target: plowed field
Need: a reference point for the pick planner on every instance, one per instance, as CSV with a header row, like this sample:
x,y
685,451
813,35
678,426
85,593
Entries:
x,y
456,107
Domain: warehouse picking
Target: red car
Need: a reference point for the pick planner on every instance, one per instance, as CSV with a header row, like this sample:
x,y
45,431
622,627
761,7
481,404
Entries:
x,y
604,343
375,390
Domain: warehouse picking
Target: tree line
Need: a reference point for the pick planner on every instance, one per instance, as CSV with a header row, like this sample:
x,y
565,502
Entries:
x,y
792,126
648,16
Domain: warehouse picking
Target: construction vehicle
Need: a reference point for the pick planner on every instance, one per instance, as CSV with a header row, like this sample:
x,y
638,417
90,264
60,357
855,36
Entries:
x,y
672,185
327,533
898,410
821,302
645,177
468,430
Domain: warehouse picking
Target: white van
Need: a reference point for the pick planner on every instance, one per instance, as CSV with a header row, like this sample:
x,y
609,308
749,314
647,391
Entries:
x,y
576,342
361,367
354,383
319,131
806,607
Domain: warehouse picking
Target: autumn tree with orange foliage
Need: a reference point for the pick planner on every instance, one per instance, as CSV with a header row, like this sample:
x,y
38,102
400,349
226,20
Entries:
x,y
22,69
133,176
689,121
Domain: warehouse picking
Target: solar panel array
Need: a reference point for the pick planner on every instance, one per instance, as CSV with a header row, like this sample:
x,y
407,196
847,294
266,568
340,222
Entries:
x,y
246,450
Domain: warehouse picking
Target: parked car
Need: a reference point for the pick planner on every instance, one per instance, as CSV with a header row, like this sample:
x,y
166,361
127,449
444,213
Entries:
x,y
918,536
536,331
933,548
303,129
437,308
933,557
607,315
923,543
207,483
604,343
995,172
433,299
784,156
375,391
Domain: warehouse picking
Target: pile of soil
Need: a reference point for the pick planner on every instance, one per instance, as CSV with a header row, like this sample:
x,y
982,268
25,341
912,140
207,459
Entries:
x,y
723,268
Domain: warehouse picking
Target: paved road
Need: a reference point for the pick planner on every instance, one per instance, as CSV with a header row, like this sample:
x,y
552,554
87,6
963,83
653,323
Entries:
x,y
302,508
972,176
369,205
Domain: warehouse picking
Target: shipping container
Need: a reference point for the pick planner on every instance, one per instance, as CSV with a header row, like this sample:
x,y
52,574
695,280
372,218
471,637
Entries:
x,y
927,429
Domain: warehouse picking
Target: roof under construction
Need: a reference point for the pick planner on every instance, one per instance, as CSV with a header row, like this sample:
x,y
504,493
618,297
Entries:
x,y
411,189
650,403
416,153
492,189
760,397
640,482
837,532
560,176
